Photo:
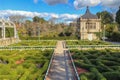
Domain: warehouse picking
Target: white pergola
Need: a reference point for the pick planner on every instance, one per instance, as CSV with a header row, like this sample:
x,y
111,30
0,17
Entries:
x,y
7,23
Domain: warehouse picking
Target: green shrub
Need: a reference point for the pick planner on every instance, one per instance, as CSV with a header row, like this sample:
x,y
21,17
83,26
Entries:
x,y
83,77
112,75
23,64
101,64
83,65
89,75
98,74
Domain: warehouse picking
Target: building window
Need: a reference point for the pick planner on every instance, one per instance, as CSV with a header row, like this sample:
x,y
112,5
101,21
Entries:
x,y
90,26
94,25
87,25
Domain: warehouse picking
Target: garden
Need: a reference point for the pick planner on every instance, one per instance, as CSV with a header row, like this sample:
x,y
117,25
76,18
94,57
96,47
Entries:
x,y
24,64
97,64
36,43
86,42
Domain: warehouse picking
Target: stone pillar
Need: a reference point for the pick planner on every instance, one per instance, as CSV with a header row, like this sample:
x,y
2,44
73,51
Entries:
x,y
15,32
3,31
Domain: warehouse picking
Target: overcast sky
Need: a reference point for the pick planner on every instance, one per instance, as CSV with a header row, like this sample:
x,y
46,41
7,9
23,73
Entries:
x,y
62,9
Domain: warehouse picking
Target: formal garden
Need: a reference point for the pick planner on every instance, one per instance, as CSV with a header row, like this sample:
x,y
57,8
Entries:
x,y
35,43
32,64
86,42
97,64
24,64
31,55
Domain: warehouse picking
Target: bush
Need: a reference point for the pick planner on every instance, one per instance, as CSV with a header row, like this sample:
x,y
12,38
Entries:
x,y
98,74
83,77
89,75
112,75
25,64
83,65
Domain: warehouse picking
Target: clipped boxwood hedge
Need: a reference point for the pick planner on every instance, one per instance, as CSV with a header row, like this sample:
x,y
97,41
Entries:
x,y
100,64
24,64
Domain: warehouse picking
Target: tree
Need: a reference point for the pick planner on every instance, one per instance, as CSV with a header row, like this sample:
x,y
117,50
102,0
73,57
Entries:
x,y
110,28
118,16
105,16
36,19
28,22
42,20
115,36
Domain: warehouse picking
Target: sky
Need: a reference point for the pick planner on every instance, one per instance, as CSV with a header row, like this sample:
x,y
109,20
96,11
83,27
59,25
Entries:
x,y
66,10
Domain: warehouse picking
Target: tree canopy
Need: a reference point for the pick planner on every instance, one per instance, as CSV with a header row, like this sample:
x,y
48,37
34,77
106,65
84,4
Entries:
x,y
105,16
118,16
38,19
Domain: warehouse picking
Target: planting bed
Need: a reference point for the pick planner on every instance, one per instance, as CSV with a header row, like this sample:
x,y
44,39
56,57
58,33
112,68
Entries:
x,y
80,42
97,64
24,64
35,43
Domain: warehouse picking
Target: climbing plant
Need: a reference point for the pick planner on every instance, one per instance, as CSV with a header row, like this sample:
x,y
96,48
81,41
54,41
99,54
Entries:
x,y
9,32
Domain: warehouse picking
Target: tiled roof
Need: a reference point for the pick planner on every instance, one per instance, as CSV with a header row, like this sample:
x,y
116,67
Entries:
x,y
89,15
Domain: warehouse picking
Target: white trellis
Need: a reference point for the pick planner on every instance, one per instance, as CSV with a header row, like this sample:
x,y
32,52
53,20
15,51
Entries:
x,y
7,23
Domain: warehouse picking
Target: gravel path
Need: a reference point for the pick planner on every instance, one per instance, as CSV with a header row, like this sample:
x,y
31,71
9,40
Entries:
x,y
59,69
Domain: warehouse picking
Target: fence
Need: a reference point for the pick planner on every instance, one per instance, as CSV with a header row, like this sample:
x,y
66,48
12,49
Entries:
x,y
49,66
76,73
46,75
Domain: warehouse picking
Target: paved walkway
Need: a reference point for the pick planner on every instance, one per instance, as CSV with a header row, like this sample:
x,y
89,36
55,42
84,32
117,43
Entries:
x,y
60,69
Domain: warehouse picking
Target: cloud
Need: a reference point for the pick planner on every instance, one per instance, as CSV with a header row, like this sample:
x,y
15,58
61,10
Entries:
x,y
68,17
111,3
54,2
62,17
82,3
107,3
21,13
35,1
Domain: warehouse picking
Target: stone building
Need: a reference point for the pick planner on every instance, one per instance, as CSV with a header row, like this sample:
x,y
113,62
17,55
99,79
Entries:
x,y
88,25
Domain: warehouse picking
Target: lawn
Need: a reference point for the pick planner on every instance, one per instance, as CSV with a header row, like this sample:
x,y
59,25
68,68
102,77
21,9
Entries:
x,y
24,64
97,64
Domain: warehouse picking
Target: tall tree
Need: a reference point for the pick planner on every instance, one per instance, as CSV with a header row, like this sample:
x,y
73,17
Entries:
x,y
36,19
118,16
105,16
